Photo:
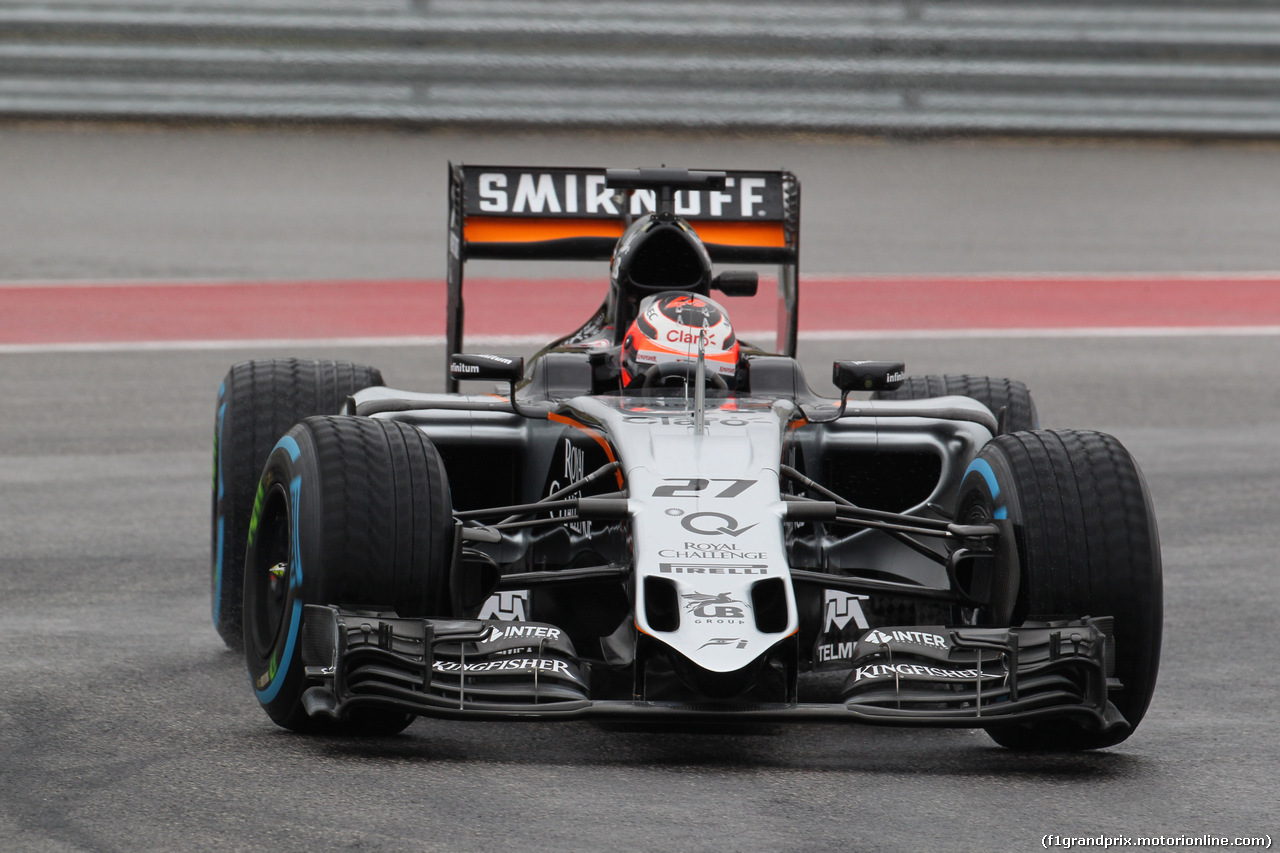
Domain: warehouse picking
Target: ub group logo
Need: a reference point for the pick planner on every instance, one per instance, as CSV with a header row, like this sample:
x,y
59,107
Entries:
x,y
716,609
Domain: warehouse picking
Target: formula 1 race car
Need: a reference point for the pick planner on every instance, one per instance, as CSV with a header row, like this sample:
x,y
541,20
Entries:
x,y
654,520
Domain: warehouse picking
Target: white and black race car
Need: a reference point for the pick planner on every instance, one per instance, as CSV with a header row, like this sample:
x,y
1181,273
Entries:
x,y
656,520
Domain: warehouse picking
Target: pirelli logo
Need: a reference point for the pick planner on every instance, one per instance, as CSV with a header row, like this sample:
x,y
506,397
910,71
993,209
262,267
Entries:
x,y
585,194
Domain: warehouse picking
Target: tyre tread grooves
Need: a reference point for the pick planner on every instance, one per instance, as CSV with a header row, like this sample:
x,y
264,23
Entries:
x,y
1088,538
996,393
264,398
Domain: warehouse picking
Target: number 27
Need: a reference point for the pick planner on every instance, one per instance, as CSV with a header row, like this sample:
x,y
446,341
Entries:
x,y
694,485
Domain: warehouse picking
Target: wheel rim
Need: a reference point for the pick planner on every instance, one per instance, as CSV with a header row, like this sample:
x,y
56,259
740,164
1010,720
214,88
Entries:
x,y
270,571
976,509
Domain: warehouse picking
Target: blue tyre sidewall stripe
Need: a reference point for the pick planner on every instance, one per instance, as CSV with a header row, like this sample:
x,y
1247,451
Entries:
x,y
268,694
980,466
222,525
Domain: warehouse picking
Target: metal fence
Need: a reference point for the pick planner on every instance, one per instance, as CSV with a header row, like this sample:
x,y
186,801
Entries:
x,y
896,66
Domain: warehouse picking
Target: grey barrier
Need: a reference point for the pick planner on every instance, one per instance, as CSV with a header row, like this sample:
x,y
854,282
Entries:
x,y
890,66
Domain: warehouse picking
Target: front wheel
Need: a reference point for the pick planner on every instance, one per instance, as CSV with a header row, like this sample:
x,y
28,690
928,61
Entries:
x,y
1087,545
352,512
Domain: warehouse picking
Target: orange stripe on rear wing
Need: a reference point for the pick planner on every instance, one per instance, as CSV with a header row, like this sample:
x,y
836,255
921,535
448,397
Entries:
x,y
497,229
761,235
508,231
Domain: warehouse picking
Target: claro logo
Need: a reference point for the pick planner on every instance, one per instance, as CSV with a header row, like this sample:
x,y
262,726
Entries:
x,y
678,337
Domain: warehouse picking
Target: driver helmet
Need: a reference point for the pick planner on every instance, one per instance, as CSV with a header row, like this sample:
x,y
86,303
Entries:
x,y
662,342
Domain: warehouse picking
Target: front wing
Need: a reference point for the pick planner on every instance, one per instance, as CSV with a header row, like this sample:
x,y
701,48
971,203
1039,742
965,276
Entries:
x,y
488,669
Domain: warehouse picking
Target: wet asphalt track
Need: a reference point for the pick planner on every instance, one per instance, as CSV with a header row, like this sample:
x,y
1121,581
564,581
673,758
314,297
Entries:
x,y
124,725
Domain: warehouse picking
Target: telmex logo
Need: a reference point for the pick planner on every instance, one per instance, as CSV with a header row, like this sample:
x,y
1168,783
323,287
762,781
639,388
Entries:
x,y
587,194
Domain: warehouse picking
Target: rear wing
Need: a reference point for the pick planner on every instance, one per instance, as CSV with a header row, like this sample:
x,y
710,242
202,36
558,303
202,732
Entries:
x,y
532,213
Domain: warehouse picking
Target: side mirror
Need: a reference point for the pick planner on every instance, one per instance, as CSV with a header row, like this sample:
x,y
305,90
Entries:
x,y
494,368
868,375
737,282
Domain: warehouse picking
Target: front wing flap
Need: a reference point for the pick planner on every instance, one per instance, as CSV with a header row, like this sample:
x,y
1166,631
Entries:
x,y
985,676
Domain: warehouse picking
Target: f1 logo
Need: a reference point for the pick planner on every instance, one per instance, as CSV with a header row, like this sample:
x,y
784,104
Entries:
x,y
735,642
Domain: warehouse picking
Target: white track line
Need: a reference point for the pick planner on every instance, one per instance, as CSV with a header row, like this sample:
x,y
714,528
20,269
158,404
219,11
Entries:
x,y
475,341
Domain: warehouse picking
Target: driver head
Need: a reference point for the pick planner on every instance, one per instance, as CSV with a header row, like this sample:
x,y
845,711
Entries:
x,y
661,346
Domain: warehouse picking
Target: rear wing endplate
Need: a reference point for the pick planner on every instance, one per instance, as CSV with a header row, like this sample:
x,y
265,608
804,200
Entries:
x,y
532,213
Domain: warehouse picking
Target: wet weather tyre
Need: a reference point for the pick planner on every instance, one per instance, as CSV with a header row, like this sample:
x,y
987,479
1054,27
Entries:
x,y
354,512
257,403
1008,399
1087,545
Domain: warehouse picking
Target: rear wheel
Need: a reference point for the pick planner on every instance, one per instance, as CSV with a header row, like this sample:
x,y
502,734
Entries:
x,y
1008,399
1087,545
257,403
353,512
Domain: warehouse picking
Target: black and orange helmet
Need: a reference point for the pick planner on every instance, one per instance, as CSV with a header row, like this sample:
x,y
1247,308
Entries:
x,y
662,342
